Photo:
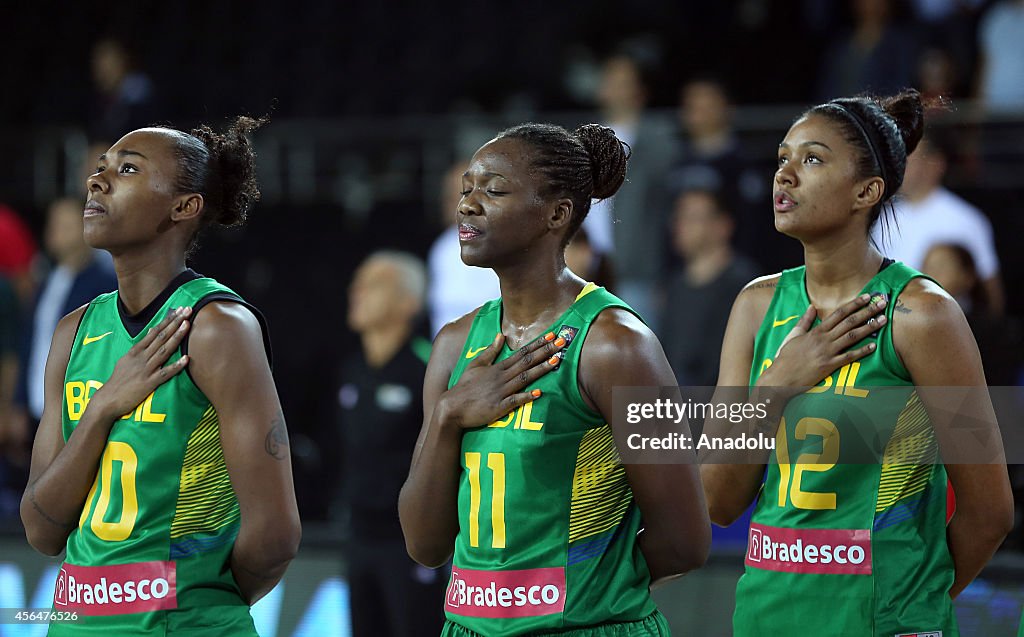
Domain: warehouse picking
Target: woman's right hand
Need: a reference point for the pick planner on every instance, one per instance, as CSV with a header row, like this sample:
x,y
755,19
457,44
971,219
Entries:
x,y
141,369
809,354
487,391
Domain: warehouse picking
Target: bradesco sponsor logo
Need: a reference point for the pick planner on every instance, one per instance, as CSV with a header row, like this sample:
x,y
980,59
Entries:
x,y
118,589
834,551
506,594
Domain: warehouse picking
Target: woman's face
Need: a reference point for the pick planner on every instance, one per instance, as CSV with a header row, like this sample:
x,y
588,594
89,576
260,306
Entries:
x,y
501,215
816,190
131,194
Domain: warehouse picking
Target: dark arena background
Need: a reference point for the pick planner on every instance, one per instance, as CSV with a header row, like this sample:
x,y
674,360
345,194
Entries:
x,y
369,106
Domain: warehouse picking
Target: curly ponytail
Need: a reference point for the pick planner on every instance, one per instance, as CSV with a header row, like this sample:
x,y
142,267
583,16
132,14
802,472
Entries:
x,y
222,168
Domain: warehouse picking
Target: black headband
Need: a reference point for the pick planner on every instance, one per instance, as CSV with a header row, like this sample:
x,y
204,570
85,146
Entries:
x,y
874,141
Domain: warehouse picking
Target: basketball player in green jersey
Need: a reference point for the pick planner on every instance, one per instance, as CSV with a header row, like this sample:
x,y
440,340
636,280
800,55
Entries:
x,y
516,470
161,463
838,548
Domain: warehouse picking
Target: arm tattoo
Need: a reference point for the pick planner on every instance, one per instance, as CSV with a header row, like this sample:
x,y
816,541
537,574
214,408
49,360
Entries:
x,y
45,516
902,309
763,285
276,442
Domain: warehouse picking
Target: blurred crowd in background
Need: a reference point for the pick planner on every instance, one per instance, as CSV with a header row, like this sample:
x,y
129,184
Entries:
x,y
375,110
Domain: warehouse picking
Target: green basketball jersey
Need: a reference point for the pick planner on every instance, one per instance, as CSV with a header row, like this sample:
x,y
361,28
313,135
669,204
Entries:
x,y
547,521
151,552
840,545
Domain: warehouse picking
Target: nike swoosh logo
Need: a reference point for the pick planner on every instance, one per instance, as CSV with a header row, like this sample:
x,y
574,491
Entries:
x,y
784,321
93,339
470,353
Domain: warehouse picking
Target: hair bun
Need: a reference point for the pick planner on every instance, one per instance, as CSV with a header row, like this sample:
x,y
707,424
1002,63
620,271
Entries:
x,y
233,189
608,155
907,110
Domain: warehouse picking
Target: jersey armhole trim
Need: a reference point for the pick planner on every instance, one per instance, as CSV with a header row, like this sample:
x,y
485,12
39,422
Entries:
x,y
231,298
577,396
78,328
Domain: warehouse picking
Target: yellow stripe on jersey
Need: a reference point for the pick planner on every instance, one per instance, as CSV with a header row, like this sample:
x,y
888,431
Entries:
x,y
587,289
206,501
908,457
600,492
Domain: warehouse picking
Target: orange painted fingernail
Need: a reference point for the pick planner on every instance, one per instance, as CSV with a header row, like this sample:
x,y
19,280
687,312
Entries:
x,y
553,360
535,393
550,336
560,342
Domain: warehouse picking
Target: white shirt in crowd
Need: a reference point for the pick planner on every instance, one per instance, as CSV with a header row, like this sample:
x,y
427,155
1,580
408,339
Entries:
x,y
49,311
940,218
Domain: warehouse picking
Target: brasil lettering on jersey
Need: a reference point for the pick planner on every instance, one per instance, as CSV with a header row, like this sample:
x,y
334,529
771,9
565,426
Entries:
x,y
829,551
506,594
118,589
78,393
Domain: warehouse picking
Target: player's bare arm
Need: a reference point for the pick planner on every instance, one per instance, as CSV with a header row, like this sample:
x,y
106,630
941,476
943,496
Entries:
x,y
729,488
621,351
229,365
933,322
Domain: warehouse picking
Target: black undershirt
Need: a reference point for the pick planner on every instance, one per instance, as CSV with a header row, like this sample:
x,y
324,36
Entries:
x,y
135,323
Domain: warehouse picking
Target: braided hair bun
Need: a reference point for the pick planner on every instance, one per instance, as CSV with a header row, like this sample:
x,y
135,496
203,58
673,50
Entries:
x,y
608,156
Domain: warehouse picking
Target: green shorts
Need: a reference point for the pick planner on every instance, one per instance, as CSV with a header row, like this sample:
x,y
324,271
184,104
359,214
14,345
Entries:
x,y
654,625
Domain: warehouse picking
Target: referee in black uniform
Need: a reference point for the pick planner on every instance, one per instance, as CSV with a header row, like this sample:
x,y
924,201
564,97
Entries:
x,y
380,400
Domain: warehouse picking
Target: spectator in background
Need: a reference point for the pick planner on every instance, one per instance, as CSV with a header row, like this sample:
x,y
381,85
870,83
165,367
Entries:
x,y
701,294
455,288
8,351
876,55
639,210
587,263
18,253
10,441
999,338
927,214
710,158
1000,37
381,411
949,28
124,96
78,275
937,74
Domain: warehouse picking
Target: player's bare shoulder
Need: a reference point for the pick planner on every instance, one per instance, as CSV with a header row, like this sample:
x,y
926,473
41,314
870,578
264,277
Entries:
x,y
616,334
449,341
753,300
762,288
924,312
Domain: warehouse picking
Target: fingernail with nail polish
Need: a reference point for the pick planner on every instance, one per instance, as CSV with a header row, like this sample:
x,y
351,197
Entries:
x,y
535,393
550,336
553,360
560,342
